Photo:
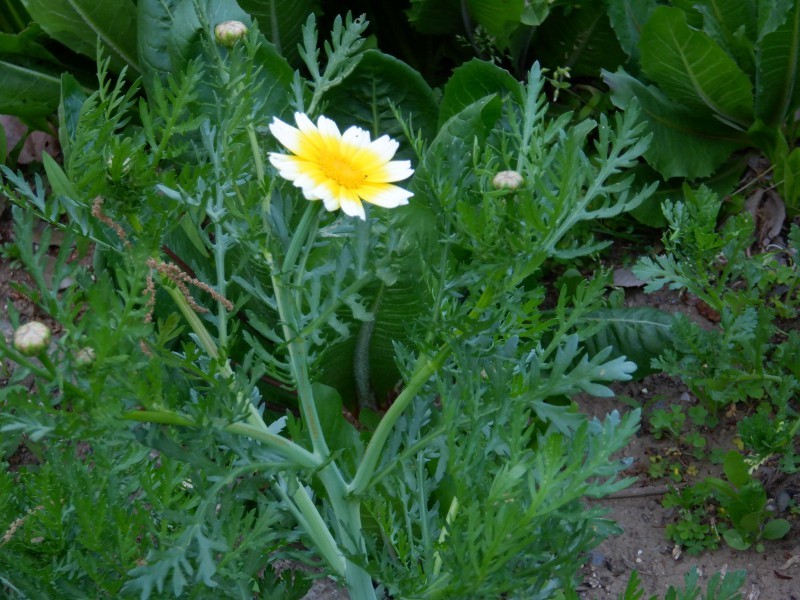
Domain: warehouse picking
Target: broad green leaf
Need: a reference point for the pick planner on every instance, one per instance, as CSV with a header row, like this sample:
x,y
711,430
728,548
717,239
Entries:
x,y
30,90
732,24
498,17
692,69
155,20
399,307
776,529
78,24
379,81
451,150
13,17
436,16
69,111
30,42
281,20
735,539
650,213
580,38
736,469
472,81
771,14
686,142
778,71
640,334
185,34
339,433
627,18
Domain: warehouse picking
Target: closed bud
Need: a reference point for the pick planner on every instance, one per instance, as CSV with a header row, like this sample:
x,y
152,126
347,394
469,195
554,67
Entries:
x,y
230,32
507,180
32,338
84,357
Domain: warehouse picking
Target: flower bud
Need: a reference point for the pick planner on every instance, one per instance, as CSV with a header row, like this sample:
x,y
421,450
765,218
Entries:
x,y
32,338
507,180
230,32
84,357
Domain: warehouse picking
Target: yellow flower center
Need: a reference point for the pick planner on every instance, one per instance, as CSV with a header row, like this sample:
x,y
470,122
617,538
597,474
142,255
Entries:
x,y
341,170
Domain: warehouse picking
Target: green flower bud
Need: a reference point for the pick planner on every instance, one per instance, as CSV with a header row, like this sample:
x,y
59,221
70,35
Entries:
x,y
85,357
32,338
507,180
230,32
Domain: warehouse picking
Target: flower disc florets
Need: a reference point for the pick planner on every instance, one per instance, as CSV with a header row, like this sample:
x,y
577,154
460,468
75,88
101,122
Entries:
x,y
341,169
32,338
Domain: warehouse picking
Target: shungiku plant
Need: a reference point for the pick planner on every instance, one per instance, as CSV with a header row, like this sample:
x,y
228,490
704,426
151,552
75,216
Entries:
x,y
341,169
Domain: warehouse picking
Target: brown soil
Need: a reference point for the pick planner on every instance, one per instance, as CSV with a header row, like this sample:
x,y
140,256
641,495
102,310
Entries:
x,y
643,546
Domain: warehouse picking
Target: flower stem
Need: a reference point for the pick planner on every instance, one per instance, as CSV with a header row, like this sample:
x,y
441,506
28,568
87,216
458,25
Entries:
x,y
424,369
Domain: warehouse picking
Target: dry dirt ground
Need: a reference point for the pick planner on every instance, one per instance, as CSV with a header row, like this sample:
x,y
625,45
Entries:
x,y
773,574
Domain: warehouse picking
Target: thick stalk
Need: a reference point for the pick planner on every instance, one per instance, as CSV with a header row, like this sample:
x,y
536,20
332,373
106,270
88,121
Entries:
x,y
424,369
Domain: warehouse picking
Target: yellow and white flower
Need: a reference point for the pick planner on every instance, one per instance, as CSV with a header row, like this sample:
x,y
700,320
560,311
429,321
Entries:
x,y
341,169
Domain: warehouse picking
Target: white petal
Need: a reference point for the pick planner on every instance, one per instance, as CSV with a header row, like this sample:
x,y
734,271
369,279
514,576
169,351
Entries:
x,y
305,124
286,134
384,148
390,196
352,207
328,129
328,192
356,136
396,170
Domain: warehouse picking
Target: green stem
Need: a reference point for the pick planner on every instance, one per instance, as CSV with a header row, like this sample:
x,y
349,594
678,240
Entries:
x,y
312,522
194,322
222,312
303,236
210,347
291,451
287,448
424,369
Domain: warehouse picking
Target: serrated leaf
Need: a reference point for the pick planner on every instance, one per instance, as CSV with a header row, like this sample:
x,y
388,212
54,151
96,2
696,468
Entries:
x,y
281,21
640,334
778,71
379,81
686,142
692,69
78,24
472,81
